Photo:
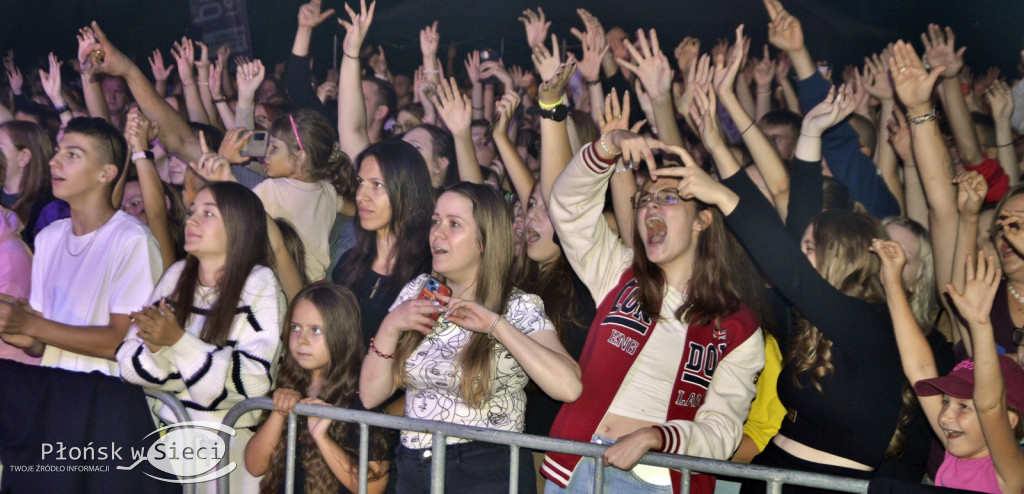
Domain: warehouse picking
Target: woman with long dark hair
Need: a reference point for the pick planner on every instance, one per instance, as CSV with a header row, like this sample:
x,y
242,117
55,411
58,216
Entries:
x,y
212,335
26,181
394,202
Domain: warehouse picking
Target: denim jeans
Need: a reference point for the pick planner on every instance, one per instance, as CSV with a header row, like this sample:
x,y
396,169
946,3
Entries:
x,y
615,481
473,467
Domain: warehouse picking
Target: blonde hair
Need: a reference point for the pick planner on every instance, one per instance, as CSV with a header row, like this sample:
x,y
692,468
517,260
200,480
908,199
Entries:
x,y
922,292
841,240
493,286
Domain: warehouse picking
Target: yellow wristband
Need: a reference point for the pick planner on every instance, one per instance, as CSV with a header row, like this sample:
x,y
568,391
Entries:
x,y
552,105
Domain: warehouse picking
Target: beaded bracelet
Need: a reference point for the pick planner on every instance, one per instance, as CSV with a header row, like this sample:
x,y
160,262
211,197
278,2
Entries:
x,y
605,146
385,356
490,330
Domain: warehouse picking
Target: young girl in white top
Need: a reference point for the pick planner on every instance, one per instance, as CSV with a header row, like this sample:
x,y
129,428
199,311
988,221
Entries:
x,y
212,334
308,179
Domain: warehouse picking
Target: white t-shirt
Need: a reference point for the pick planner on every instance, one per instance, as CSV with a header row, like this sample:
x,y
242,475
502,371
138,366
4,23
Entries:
x,y
81,280
311,208
433,378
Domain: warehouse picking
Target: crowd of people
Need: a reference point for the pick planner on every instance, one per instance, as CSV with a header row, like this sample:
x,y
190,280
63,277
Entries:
x,y
732,257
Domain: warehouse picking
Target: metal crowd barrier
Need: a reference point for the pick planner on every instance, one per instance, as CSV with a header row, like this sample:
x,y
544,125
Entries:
x,y
180,414
774,477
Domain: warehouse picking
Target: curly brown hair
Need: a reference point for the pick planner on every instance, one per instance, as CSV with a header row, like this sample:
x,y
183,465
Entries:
x,y
344,338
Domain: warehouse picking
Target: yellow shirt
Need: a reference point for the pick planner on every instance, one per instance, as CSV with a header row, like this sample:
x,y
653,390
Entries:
x,y
766,412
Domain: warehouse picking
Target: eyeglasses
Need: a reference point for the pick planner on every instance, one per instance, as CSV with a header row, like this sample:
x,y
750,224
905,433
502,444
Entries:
x,y
664,197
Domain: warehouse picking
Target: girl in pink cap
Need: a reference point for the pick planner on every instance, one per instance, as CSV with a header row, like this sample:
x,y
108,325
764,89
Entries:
x,y
976,409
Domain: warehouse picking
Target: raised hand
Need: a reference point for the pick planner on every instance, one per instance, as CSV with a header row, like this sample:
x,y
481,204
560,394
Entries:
x,y
939,50
156,63
223,52
913,84
216,71
546,62
551,90
595,46
536,25
310,15
184,55
356,27
472,64
784,30
694,182
875,78
15,78
833,109
203,64
454,107
138,130
506,108
893,258
704,113
429,39
96,54
614,116
764,72
496,68
327,91
686,51
725,74
899,136
652,66
975,303
51,81
211,165
233,143
1000,100
783,65
248,77
971,189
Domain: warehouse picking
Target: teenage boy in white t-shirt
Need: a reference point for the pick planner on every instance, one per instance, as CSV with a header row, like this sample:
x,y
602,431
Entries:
x,y
90,270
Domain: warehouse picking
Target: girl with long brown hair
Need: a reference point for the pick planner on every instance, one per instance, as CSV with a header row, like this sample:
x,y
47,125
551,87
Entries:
x,y
323,354
26,185
212,334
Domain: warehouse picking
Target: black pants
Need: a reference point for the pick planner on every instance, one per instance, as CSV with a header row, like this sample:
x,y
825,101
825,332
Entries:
x,y
472,467
774,456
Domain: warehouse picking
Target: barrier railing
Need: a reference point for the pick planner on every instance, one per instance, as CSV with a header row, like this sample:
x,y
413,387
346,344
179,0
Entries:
x,y
774,477
180,414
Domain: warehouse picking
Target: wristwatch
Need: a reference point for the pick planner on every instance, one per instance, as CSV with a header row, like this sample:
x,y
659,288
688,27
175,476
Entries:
x,y
558,113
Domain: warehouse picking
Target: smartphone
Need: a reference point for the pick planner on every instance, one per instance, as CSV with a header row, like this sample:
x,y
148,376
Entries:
x,y
489,55
257,146
432,289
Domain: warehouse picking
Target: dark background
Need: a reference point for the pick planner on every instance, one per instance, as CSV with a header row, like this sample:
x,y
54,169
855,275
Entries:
x,y
839,31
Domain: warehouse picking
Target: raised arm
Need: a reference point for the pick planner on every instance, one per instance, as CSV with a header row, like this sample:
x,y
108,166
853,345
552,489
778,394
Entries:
x,y
139,132
518,173
455,110
90,53
203,71
1000,99
52,86
174,131
940,51
352,125
764,73
248,77
913,85
766,158
654,70
975,305
875,82
184,55
160,71
623,181
555,150
786,34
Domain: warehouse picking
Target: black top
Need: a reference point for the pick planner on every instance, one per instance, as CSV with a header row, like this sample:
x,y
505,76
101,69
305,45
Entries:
x,y
351,441
856,415
541,409
374,302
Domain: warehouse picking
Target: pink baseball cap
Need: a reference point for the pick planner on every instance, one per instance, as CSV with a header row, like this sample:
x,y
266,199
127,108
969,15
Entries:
x,y
960,382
